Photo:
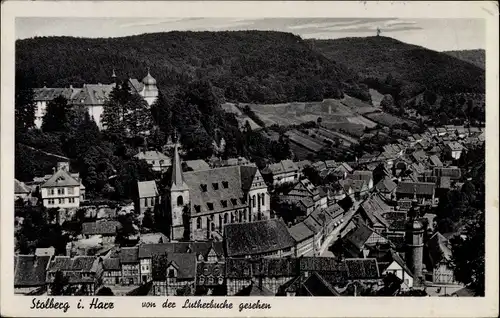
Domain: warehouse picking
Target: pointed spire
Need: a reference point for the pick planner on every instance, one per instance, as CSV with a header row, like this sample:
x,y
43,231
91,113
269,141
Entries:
x,y
176,168
114,74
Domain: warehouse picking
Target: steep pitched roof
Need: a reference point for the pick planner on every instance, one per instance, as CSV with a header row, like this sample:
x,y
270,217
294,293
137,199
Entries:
x,y
30,270
282,167
20,187
129,255
197,164
255,290
257,237
185,264
386,185
147,189
439,249
61,178
111,264
362,268
300,232
177,181
396,220
208,188
435,161
359,236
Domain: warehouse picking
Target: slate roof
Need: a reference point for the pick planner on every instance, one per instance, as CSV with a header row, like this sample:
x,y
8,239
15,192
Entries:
x,y
374,207
435,161
129,255
362,268
111,264
199,248
359,236
77,263
283,166
310,285
30,270
135,85
257,237
61,178
386,185
396,220
48,94
100,227
199,198
185,264
300,232
147,189
420,188
20,187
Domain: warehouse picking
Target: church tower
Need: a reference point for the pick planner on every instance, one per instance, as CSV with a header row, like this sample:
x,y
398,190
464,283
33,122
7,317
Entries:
x,y
415,247
150,90
178,198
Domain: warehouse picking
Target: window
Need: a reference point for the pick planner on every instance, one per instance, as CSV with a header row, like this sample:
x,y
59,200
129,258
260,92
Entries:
x,y
210,280
171,273
240,216
215,185
232,218
180,200
253,201
146,202
234,201
198,223
225,184
51,192
197,208
221,281
244,215
263,198
152,201
225,218
223,203
220,222
244,200
212,226
210,206
202,280
71,191
203,187
71,200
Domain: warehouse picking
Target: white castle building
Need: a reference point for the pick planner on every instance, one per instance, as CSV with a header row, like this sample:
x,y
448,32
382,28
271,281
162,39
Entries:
x,y
92,96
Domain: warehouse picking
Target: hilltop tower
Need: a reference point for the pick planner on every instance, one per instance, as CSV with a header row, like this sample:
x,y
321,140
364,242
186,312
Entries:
x,y
178,198
415,247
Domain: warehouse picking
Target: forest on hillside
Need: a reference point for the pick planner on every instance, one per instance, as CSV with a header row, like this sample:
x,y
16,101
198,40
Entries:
x,y
476,57
244,66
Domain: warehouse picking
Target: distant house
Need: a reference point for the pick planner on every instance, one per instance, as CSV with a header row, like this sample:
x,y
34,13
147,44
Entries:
x,y
63,189
439,257
197,165
174,274
454,150
112,271
304,239
148,196
21,191
435,161
397,266
285,171
363,270
308,285
454,173
105,228
386,187
153,238
211,275
371,212
423,192
84,273
307,194
269,238
357,242
155,159
441,131
366,176
129,261
30,273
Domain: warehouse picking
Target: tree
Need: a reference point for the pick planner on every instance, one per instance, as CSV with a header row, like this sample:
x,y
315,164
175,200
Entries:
x,y
24,109
137,117
468,255
148,220
56,118
105,291
60,284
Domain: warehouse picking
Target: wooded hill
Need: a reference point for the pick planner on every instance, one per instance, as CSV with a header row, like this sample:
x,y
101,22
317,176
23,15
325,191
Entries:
x,y
476,57
244,66
402,69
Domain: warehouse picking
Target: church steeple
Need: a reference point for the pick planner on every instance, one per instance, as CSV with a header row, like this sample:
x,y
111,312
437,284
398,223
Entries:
x,y
177,180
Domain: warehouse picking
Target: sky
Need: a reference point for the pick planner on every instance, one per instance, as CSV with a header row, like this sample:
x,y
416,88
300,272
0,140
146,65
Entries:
x,y
435,34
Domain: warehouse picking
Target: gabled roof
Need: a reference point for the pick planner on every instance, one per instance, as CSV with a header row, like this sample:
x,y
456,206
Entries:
x,y
396,220
439,249
197,164
300,232
386,185
147,189
255,290
129,255
199,248
312,284
30,270
77,263
283,166
435,161
61,178
257,237
20,187
185,264
111,264
359,236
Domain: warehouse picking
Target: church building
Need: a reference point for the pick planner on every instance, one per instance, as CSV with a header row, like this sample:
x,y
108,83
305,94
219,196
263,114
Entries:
x,y
201,202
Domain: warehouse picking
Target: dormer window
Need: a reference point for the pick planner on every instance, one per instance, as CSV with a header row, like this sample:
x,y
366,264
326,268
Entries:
x,y
210,206
225,184
203,187
171,273
234,201
223,203
215,185
197,208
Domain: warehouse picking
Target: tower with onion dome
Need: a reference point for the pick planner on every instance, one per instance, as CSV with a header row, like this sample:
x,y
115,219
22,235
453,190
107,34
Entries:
x,y
150,90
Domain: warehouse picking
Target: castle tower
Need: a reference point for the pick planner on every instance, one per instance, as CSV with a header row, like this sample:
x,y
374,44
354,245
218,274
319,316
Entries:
x,y
415,247
150,90
178,198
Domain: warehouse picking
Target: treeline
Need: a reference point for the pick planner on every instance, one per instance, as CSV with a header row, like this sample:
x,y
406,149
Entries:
x,y
244,66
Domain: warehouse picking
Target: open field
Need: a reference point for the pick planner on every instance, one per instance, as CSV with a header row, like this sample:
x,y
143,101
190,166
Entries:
x,y
376,97
240,116
388,120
